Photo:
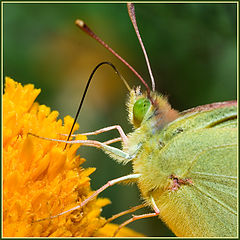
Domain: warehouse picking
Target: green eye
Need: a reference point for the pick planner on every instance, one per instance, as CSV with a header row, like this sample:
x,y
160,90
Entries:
x,y
140,108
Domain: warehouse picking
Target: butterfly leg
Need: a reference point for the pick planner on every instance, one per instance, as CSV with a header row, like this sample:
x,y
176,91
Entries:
x,y
101,189
132,209
112,141
106,129
136,217
115,152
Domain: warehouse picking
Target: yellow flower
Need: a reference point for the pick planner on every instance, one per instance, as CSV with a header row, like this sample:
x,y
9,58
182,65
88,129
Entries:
x,y
40,179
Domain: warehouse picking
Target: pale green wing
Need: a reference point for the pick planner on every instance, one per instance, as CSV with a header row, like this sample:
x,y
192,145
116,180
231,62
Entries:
x,y
208,207
208,118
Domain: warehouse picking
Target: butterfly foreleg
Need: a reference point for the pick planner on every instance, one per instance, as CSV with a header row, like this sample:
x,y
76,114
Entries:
x,y
106,129
112,141
116,153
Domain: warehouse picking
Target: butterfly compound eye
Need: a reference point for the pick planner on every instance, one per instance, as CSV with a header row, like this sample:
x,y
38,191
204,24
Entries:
x,y
140,109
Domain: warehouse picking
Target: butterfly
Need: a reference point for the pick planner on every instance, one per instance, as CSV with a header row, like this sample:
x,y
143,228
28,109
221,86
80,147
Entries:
x,y
184,163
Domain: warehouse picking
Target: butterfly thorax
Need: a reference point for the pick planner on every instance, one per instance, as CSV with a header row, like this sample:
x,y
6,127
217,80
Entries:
x,y
148,115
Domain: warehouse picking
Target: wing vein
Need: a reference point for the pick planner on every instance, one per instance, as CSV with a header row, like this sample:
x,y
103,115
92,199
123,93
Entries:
x,y
216,200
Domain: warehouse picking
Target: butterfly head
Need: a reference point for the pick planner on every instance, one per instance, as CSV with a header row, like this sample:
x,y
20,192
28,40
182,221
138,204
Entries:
x,y
145,107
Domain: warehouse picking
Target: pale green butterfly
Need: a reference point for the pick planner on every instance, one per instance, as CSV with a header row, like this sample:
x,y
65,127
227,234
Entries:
x,y
185,164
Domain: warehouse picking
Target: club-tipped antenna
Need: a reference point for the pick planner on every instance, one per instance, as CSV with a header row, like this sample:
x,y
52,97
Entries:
x,y
86,88
82,25
131,12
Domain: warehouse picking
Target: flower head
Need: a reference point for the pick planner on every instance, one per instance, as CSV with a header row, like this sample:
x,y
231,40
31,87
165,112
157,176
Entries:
x,y
40,178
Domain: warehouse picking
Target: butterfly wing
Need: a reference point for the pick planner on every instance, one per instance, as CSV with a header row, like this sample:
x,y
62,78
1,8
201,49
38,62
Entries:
x,y
206,154
208,206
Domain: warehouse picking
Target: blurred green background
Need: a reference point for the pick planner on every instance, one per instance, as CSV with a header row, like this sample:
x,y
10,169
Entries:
x,y
192,50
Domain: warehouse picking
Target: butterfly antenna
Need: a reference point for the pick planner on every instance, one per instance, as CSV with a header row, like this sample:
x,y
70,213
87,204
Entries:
x,y
82,25
131,12
86,88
